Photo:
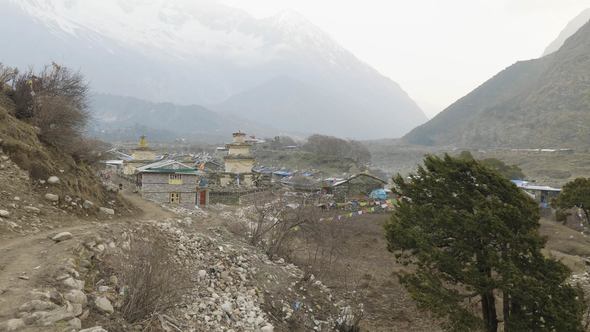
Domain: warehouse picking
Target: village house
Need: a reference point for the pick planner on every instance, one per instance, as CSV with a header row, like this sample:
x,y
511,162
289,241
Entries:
x,y
174,183
541,194
358,186
140,156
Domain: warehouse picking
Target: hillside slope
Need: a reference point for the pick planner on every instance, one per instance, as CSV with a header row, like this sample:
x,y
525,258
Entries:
x,y
77,181
536,103
202,53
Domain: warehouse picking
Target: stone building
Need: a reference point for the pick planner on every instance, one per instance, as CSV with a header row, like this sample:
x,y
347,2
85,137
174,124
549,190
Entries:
x,y
358,186
173,183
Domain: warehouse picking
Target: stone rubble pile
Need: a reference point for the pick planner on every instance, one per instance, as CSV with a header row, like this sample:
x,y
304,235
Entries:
x,y
225,297
181,211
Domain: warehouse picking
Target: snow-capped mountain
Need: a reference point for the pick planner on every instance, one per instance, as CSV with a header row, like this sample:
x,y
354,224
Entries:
x,y
204,52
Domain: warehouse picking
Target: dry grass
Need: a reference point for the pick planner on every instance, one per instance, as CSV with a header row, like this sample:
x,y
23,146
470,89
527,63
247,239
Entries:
x,y
354,262
565,244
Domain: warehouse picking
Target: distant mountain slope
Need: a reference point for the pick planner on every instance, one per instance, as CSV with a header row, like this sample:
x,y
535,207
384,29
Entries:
x,y
201,52
295,106
571,28
123,118
537,103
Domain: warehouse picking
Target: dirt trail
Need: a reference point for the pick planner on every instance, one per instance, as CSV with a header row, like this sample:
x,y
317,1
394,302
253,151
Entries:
x,y
27,262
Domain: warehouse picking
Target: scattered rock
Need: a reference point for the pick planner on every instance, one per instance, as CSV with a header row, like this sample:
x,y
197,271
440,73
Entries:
x,y
114,280
227,307
267,328
76,296
13,325
87,204
75,323
94,329
37,305
4,214
53,180
32,209
74,283
103,304
107,211
62,236
103,289
51,197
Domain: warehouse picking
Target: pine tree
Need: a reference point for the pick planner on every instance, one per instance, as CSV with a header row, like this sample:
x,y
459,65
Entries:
x,y
575,193
472,240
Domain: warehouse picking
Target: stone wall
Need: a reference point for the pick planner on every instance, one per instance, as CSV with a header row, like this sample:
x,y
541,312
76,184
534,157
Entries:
x,y
155,187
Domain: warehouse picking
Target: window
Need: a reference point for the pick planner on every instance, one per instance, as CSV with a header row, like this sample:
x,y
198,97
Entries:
x,y
175,179
174,198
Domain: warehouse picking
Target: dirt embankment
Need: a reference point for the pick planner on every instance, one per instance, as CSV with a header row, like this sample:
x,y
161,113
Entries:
x,y
49,170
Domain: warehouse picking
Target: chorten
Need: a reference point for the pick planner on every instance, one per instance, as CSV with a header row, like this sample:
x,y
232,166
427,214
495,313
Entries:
x,y
143,151
239,159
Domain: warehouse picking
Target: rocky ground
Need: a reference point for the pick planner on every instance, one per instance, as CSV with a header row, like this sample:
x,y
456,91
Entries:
x,y
55,273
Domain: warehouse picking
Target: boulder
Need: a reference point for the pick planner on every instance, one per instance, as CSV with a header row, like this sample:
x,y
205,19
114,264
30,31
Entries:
x,y
104,305
87,204
51,197
267,328
53,180
37,305
76,296
57,315
4,214
32,209
107,211
62,236
75,323
74,283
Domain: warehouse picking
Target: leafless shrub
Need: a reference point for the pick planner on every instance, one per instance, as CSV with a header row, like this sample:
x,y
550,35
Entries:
x,y
56,101
153,282
275,220
7,75
320,245
60,123
89,151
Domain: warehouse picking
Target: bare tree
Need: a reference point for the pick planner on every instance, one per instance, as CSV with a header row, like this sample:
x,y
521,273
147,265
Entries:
x,y
56,101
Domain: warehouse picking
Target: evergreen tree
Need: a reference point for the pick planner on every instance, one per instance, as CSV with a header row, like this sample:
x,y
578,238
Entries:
x,y
575,194
472,239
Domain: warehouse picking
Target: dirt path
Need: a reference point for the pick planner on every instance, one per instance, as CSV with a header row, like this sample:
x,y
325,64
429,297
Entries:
x,y
28,262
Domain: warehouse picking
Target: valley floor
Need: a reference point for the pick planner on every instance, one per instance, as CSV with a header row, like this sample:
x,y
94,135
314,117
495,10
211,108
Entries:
x,y
235,286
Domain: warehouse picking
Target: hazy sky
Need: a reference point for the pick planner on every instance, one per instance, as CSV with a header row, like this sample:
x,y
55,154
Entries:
x,y
437,50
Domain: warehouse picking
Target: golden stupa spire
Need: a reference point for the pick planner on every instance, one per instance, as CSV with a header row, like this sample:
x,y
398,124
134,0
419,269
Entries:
x,y
143,142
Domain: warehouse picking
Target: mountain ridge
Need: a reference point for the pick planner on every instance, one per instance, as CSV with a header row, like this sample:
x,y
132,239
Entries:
x,y
572,27
532,104
199,53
